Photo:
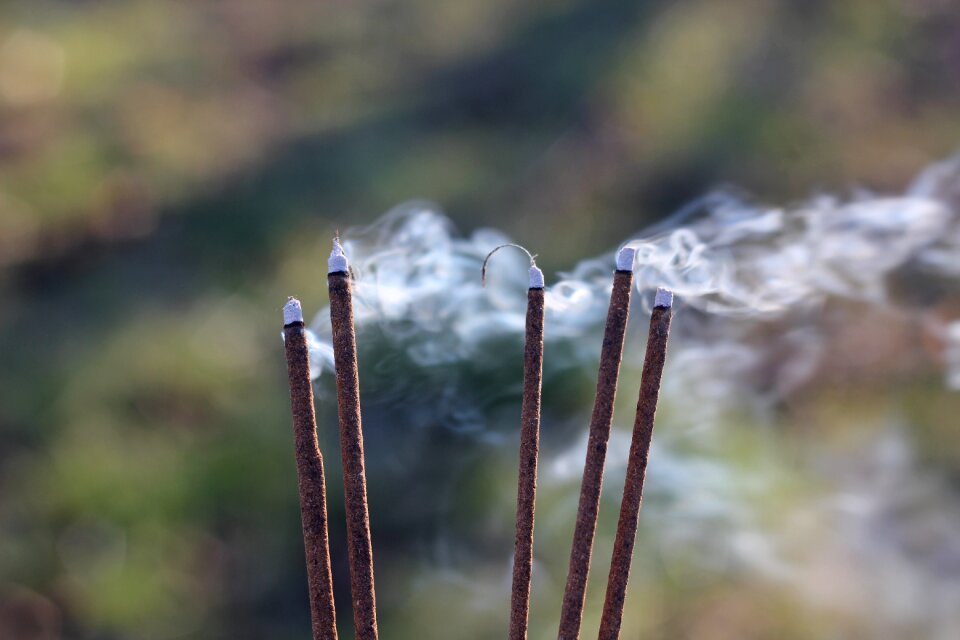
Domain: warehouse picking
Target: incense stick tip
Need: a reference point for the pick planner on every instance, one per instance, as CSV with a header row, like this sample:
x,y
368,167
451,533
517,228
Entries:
x,y
338,259
292,311
536,277
664,298
625,259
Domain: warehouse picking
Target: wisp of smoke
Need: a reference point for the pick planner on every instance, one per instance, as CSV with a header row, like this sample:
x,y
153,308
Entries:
x,y
754,285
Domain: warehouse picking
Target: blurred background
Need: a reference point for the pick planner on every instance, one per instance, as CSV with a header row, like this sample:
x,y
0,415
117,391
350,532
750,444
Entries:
x,y
171,171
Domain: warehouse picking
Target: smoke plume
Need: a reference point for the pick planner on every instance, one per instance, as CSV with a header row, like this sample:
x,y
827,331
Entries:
x,y
777,309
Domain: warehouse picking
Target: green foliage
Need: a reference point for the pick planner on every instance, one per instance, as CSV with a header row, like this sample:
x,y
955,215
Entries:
x,y
170,171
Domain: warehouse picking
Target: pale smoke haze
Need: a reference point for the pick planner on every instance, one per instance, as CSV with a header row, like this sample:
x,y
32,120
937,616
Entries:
x,y
770,302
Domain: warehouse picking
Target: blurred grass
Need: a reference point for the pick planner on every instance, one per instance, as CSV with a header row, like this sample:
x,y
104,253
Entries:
x,y
170,171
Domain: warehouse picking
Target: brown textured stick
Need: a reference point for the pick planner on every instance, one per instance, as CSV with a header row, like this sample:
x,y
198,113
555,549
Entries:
x,y
529,448
636,468
574,595
313,493
351,449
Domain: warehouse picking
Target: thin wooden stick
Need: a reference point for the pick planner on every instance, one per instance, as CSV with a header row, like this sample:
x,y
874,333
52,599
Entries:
x,y
637,466
571,615
351,447
529,450
313,492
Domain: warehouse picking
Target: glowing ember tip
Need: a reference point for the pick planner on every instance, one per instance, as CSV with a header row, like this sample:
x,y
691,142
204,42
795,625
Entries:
x,y
664,298
625,259
292,312
536,277
338,259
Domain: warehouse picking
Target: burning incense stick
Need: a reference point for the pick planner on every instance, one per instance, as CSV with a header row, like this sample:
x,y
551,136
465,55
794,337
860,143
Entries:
x,y
351,446
313,492
571,614
529,448
637,466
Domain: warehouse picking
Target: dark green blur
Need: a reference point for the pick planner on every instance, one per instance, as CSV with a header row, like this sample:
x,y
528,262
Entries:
x,y
171,171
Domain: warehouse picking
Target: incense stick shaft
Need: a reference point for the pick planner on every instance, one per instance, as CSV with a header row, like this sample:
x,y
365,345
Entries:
x,y
529,449
636,471
611,353
351,450
313,493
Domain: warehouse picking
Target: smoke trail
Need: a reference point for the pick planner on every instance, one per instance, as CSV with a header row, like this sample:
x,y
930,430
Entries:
x,y
764,295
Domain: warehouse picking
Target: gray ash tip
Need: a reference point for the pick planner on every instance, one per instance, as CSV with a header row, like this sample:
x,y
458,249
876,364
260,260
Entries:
x,y
664,298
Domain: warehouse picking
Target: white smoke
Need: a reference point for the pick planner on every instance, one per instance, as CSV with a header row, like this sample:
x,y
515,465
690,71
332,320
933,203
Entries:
x,y
757,289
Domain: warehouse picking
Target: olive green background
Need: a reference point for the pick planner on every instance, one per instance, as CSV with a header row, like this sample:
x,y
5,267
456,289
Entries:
x,y
171,171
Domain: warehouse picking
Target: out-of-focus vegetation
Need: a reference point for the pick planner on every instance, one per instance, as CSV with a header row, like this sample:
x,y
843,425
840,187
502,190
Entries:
x,y
170,171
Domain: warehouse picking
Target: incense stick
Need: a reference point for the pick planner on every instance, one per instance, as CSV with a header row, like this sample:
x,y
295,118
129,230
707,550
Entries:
x,y
351,447
313,492
637,466
529,449
571,614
